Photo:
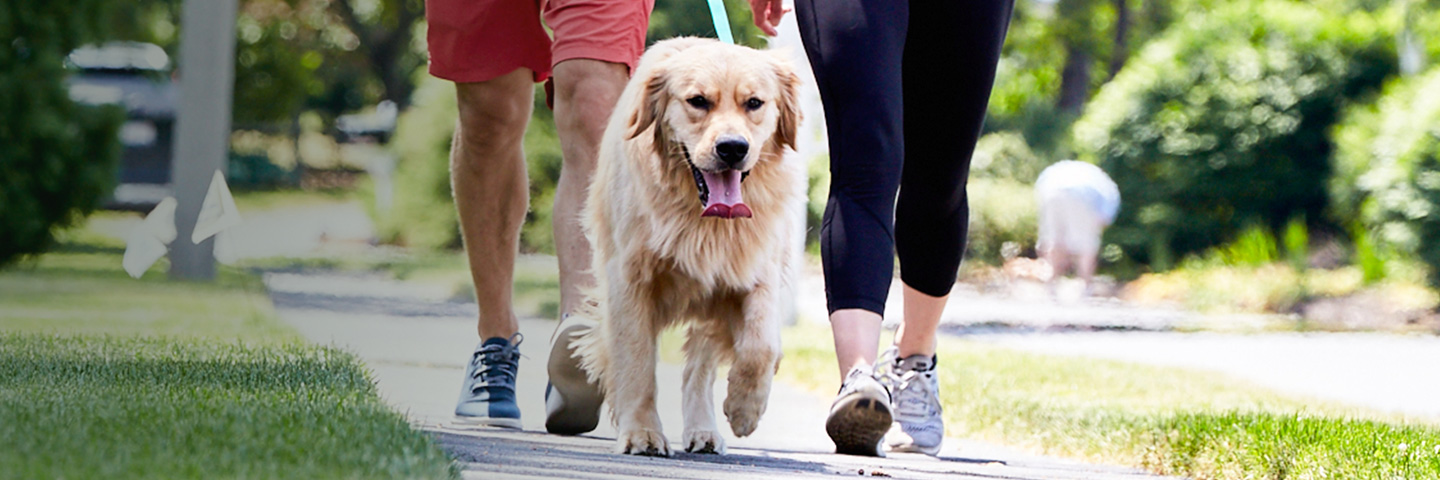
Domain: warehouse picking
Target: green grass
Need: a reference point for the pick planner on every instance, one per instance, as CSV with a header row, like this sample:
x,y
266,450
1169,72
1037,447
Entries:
x,y
1168,420
112,407
104,376
80,288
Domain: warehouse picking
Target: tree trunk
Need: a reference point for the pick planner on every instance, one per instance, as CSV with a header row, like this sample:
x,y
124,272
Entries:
x,y
1121,51
1074,82
383,45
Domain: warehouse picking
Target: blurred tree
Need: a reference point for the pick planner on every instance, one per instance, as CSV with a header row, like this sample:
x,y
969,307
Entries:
x,y
333,56
57,157
1224,122
386,33
1387,164
1059,52
674,18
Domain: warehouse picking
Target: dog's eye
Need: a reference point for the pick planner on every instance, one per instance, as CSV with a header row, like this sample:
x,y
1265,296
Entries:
x,y
754,104
699,102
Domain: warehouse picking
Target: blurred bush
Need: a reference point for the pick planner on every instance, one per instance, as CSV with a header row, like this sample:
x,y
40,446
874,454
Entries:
x,y
423,214
1223,122
1387,164
58,159
1001,192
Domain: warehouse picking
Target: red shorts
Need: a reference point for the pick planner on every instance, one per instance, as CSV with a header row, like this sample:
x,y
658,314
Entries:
x,y
478,40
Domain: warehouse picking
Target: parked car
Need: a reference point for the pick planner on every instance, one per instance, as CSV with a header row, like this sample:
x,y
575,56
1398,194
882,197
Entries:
x,y
136,76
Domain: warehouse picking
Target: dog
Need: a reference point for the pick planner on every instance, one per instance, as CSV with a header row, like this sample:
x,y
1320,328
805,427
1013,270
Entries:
x,y
690,215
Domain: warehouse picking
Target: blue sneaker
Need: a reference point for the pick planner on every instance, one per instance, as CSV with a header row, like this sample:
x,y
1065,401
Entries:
x,y
488,395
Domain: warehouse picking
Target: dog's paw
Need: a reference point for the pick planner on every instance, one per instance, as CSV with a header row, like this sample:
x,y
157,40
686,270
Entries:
x,y
650,443
704,441
743,411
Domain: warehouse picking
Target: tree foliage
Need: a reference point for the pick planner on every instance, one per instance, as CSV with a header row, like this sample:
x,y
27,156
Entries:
x,y
1058,53
1224,122
57,157
332,56
1388,168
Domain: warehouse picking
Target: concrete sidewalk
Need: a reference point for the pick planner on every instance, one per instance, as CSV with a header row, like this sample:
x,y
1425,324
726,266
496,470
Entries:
x,y
416,342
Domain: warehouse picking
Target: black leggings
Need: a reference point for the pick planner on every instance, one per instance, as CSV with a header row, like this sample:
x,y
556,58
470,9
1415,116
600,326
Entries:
x,y
905,88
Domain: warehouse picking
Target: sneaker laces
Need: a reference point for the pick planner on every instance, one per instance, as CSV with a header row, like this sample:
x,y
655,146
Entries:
x,y
497,365
911,390
914,395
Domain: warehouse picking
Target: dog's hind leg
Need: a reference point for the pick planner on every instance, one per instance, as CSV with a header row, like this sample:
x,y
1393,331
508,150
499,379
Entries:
x,y
631,374
757,355
697,396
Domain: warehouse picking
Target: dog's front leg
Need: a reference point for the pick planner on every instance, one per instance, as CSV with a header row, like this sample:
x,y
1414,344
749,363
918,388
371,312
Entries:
x,y
757,355
631,336
697,395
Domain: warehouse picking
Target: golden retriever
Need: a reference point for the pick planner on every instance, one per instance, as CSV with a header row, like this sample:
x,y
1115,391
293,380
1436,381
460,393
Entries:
x,y
690,214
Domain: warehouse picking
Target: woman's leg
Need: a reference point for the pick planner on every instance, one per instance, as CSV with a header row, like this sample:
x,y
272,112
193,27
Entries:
x,y
950,58
855,49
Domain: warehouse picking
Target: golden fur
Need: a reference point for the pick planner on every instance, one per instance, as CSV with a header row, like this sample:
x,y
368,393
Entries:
x,y
658,263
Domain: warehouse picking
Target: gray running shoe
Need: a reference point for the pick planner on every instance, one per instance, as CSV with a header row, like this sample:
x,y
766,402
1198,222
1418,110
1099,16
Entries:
x,y
572,403
487,397
915,392
860,415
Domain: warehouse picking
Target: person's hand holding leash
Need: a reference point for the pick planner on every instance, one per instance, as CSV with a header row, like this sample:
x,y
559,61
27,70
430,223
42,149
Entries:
x,y
767,14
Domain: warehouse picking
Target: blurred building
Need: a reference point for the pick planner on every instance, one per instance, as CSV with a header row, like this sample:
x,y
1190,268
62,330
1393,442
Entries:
x,y
135,76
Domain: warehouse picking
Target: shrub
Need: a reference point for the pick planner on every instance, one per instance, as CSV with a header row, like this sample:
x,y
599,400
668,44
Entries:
x,y
58,159
1223,122
1388,168
1002,196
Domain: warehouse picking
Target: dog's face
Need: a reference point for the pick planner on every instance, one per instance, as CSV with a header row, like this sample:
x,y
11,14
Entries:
x,y
723,110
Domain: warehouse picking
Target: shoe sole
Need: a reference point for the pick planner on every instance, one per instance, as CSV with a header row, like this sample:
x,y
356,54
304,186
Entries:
x,y
857,424
572,404
467,422
912,448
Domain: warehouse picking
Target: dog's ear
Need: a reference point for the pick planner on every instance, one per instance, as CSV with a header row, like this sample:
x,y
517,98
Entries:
x,y
652,104
789,104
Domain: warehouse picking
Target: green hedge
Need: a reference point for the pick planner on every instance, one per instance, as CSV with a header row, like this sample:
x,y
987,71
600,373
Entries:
x,y
1002,197
1388,168
1223,122
58,159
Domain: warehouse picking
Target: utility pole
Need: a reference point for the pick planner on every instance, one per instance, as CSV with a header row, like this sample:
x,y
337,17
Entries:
x,y
202,125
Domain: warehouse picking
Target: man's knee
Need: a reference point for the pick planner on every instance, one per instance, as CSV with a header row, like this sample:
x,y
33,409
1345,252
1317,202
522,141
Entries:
x,y
586,92
494,114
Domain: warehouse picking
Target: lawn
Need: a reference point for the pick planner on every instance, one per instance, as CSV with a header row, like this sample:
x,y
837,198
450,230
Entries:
x,y
103,376
1167,420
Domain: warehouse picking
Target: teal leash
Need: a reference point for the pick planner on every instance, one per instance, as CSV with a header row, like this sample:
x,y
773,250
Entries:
x,y
722,21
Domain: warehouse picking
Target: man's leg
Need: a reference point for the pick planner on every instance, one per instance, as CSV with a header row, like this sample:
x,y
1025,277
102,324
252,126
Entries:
x,y
487,175
585,94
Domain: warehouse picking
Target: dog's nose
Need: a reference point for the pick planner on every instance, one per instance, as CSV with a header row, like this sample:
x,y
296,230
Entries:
x,y
732,150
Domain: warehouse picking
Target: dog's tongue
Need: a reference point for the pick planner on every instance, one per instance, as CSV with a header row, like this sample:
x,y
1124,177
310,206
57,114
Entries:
x,y
724,198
